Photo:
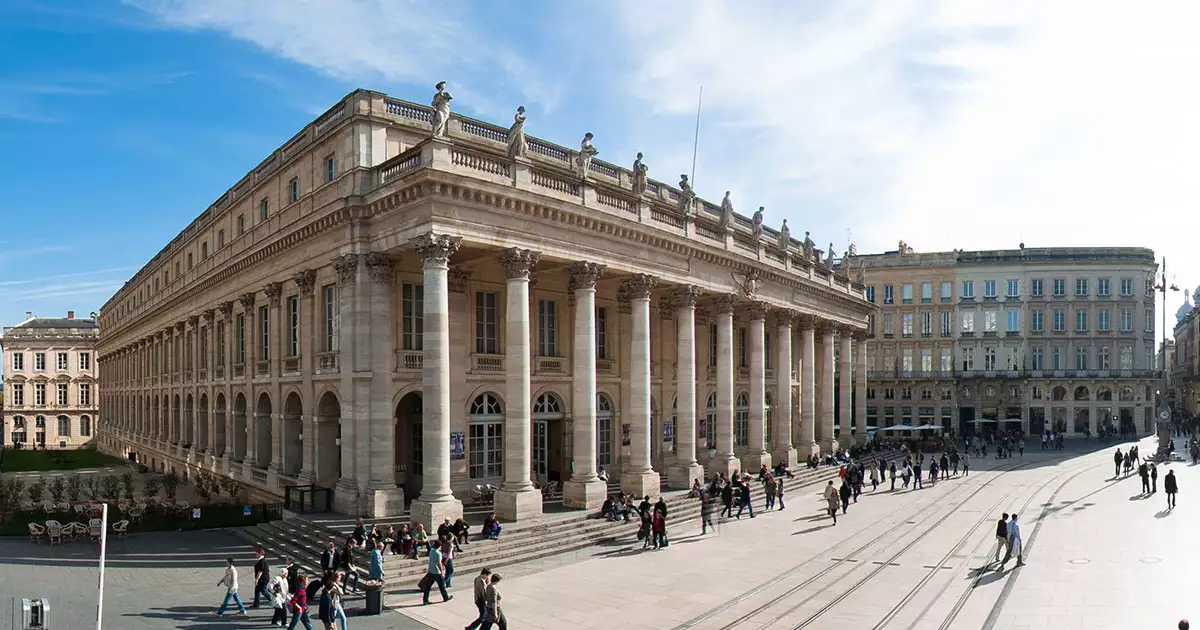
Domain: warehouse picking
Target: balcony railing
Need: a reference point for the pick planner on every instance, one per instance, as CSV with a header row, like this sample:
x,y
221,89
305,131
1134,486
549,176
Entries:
x,y
549,365
291,365
239,370
606,367
262,368
410,360
487,363
327,362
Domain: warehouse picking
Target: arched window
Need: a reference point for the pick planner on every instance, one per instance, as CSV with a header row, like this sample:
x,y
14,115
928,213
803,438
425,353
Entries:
x,y
709,430
546,404
39,422
1058,393
19,423
64,426
485,438
741,420
1126,394
604,418
85,426
1081,393
768,419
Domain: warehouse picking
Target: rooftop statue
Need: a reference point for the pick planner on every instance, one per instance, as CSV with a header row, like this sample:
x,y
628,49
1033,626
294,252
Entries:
x,y
757,228
687,196
726,214
785,237
516,134
639,176
586,153
441,110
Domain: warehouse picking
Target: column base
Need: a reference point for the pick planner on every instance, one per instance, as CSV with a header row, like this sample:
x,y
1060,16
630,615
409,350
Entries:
x,y
831,444
517,505
789,455
384,502
726,464
753,462
306,478
345,497
433,513
641,484
681,477
585,495
814,449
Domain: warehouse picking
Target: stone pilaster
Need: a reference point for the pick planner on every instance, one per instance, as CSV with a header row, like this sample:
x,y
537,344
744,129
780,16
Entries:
x,y
640,479
383,496
808,387
437,501
860,388
306,280
584,489
724,461
846,387
756,454
825,437
517,499
348,491
686,469
274,294
781,442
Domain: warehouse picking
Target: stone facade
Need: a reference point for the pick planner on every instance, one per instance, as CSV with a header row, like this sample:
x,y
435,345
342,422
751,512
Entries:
x,y
408,318
1185,362
52,394
1061,338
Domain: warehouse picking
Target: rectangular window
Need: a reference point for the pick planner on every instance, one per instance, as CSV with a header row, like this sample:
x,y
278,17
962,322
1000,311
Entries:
x,y
39,362
947,291
1126,358
888,328
485,441
413,314
906,363
968,358
331,316
1126,287
767,353
61,361
220,239
989,321
62,394
601,332
906,324
989,359
1060,320
487,323
1035,321
968,322
18,361
906,292
871,294
39,394
547,328
926,360
241,223
330,167
1035,288
191,262
293,326
1081,287
1103,358
18,395
742,343
888,294
1081,321
1014,289
1060,287
240,338
947,323
1102,287
1102,320
1013,320
989,289
264,208
1036,358
947,360
1126,320
1081,358
926,292
712,345
264,327
204,348
926,324
204,250
85,395
294,190
1014,358
1149,315
1057,356
968,289
221,344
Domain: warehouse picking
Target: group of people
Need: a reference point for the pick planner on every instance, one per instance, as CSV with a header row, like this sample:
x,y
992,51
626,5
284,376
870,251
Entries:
x,y
1123,463
1052,441
290,592
1008,540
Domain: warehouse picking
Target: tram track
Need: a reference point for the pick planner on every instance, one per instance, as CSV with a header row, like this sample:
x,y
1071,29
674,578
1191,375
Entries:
x,y
846,558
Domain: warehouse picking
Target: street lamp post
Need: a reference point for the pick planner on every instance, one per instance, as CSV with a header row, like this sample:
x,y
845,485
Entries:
x,y
1163,412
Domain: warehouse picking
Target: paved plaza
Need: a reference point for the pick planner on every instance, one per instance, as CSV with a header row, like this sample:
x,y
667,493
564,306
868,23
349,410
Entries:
x,y
1100,555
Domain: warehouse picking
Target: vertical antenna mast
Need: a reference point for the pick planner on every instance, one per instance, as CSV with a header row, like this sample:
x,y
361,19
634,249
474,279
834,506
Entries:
x,y
696,142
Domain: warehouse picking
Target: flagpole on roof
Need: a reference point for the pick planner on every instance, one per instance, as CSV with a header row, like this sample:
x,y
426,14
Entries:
x,y
696,140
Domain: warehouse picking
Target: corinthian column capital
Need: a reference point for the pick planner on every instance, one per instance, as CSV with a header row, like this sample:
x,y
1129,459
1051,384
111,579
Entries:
x,y
518,263
585,274
723,304
346,267
686,296
436,248
640,286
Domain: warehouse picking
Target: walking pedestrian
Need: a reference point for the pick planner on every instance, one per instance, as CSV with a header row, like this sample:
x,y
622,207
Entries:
x,y
230,582
1014,542
769,486
495,614
706,510
434,574
1153,479
831,500
336,593
779,491
279,598
262,576
844,494
481,583
1001,536
744,501
727,499
299,604
1118,459
874,477
966,464
1171,488
1144,473
892,474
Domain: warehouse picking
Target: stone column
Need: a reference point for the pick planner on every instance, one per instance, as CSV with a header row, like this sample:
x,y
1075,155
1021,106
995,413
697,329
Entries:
x,y
517,499
860,388
383,496
783,450
756,454
584,489
640,479
437,501
306,280
808,387
686,469
274,354
846,389
226,324
825,390
724,461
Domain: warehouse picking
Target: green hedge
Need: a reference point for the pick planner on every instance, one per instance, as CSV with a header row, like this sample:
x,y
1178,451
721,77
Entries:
x,y
156,518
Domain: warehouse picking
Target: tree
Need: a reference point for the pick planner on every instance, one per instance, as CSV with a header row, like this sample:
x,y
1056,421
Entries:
x,y
127,484
231,487
74,487
93,486
170,484
150,487
36,490
58,488
111,487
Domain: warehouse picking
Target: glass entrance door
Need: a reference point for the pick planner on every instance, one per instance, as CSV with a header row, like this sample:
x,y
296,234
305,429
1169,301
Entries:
x,y
540,450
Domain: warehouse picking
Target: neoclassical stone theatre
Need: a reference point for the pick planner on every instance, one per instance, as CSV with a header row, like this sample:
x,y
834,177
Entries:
x,y
409,306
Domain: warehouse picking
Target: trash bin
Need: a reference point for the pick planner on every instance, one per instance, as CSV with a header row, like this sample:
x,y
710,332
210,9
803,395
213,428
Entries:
x,y
374,600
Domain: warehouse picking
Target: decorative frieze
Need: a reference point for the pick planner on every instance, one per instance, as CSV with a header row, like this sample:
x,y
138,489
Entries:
x,y
194,321
209,316
436,249
518,262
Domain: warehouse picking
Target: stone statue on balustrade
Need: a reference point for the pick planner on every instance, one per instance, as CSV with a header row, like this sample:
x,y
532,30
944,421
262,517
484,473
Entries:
x,y
639,176
516,135
785,237
586,153
441,110
687,197
809,247
860,274
829,259
757,227
726,214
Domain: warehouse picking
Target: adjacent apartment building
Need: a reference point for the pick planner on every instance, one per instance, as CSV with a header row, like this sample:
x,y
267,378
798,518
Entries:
x,y
1051,338
1185,360
50,384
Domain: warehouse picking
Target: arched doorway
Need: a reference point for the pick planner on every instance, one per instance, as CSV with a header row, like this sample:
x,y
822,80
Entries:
x,y
239,428
604,435
551,458
485,439
202,424
292,426
328,459
262,431
409,445
219,444
189,422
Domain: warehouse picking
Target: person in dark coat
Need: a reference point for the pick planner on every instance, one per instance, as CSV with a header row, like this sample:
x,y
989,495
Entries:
x,y
727,499
844,494
1171,487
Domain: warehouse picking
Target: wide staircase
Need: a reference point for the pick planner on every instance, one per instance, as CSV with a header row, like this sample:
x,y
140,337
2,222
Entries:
x,y
558,531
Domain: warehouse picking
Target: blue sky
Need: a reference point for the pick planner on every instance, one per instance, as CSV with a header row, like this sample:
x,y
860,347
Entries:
x,y
945,124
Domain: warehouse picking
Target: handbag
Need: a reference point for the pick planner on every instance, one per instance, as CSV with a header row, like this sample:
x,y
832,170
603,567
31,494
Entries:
x,y
426,582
